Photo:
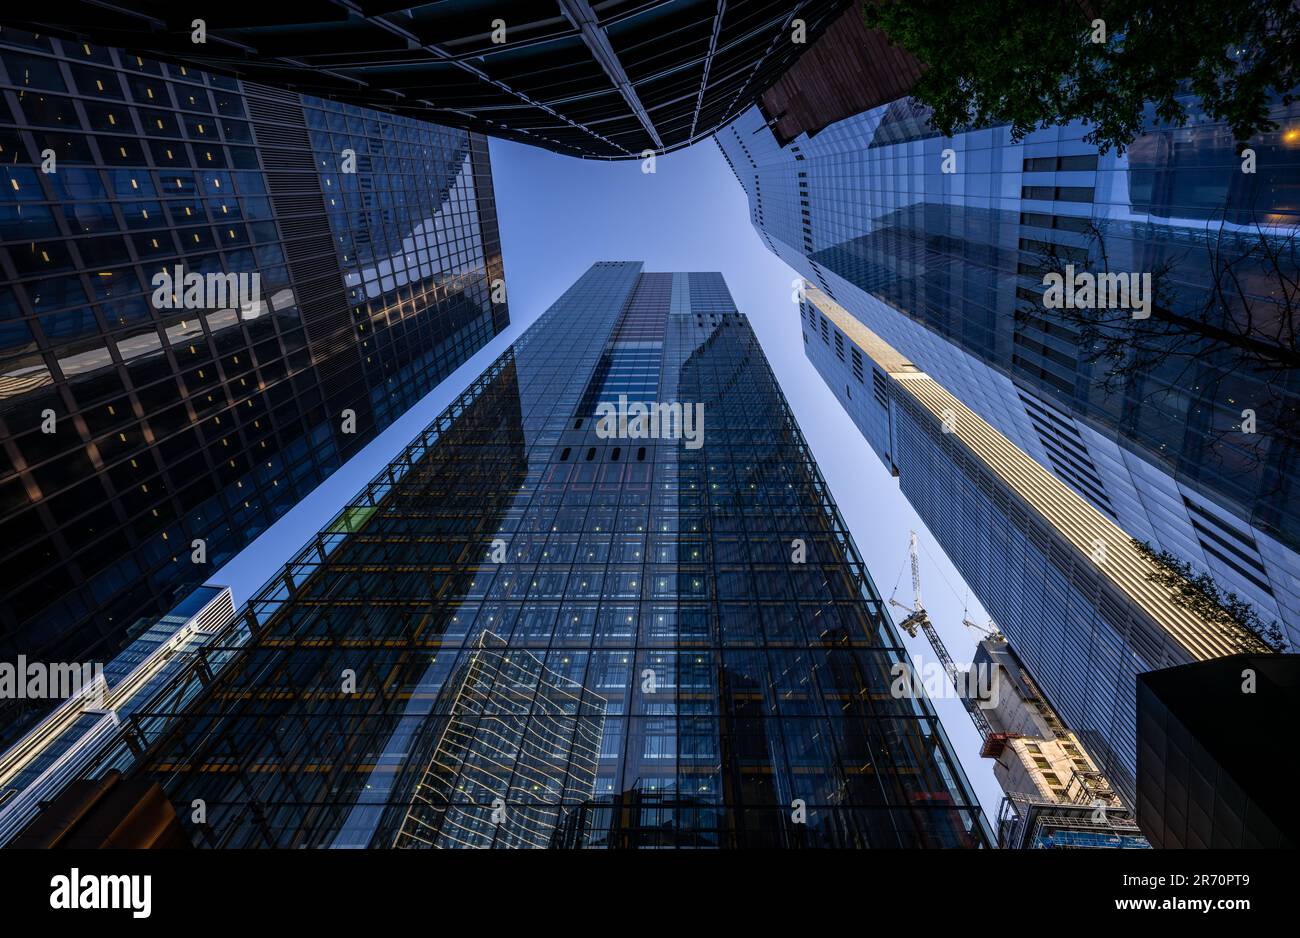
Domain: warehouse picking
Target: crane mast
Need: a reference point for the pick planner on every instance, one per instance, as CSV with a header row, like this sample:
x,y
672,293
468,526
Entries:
x,y
916,618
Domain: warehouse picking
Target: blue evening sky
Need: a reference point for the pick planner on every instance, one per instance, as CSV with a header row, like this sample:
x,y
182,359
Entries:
x,y
558,215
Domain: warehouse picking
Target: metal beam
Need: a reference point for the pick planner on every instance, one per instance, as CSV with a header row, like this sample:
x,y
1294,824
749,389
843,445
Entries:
x,y
583,18
708,63
445,56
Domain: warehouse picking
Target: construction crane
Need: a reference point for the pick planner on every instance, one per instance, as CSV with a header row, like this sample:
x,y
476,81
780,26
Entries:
x,y
916,618
988,631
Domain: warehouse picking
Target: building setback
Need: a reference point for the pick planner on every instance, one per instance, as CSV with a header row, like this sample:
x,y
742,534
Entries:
x,y
144,440
704,607
606,80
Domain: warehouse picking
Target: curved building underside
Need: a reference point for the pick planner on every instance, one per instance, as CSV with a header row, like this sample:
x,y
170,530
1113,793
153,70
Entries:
x,y
595,80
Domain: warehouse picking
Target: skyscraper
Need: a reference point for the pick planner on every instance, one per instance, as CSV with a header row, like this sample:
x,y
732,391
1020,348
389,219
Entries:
x,y
149,431
684,582
606,80
1062,580
846,71
937,245
1055,795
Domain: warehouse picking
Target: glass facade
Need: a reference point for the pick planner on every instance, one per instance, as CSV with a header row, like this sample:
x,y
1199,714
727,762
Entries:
x,y
528,629
937,245
83,726
508,708
594,80
1059,576
129,430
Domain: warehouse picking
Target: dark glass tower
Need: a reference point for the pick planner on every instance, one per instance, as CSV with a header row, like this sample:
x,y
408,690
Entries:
x,y
128,431
527,630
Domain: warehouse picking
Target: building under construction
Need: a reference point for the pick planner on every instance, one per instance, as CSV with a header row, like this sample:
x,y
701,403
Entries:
x,y
1055,795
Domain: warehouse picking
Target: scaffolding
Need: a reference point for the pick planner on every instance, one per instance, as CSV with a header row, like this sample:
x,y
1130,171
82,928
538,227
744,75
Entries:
x,y
1026,822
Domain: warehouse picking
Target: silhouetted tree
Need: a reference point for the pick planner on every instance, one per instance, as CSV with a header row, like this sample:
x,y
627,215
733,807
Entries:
x,y
1247,323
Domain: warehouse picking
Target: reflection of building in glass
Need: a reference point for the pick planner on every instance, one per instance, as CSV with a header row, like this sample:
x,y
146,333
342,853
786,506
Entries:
x,y
86,727
518,754
175,425
940,263
1055,794
1083,617
711,598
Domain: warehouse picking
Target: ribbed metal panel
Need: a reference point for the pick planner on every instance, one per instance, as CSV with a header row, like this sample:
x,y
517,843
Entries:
x,y
273,135
290,206
216,613
1077,521
294,188
1072,517
278,183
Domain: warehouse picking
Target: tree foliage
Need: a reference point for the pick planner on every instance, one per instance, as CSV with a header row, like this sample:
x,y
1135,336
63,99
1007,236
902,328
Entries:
x,y
1200,594
1034,63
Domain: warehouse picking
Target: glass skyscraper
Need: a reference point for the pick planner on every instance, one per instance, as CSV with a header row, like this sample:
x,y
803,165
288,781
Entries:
x,y
144,442
544,625
1063,580
937,246
921,255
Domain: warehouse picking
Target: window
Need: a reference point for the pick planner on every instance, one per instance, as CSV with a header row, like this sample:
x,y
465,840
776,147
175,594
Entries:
x,y
1048,164
1077,163
32,72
